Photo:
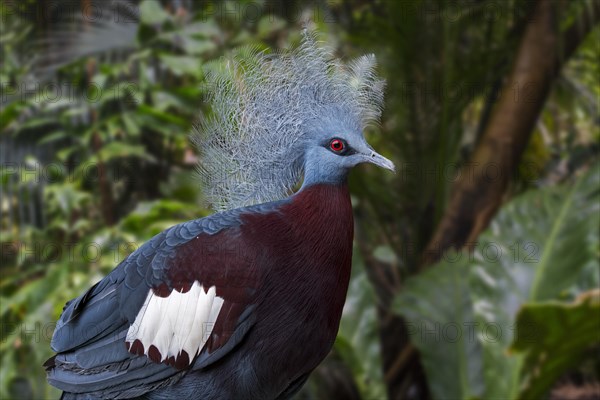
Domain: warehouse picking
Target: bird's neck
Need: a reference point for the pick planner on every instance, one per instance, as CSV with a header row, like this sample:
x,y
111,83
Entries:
x,y
324,195
316,173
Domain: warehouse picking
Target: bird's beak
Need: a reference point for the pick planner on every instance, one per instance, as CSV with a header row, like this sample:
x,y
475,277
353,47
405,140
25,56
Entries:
x,y
375,158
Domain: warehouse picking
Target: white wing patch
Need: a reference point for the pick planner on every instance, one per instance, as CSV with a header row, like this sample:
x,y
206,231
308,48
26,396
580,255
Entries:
x,y
175,328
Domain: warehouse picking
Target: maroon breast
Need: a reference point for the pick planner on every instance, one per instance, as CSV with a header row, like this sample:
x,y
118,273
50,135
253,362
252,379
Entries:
x,y
291,264
307,251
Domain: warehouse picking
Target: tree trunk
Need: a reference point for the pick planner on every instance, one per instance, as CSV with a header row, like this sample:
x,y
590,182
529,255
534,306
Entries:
x,y
479,191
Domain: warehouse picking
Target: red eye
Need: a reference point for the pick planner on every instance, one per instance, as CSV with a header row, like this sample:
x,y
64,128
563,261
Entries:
x,y
337,145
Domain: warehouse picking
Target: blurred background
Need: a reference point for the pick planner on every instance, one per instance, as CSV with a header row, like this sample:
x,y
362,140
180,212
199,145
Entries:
x,y
476,266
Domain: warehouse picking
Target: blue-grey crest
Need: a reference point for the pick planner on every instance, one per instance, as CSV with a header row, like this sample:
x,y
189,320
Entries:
x,y
273,115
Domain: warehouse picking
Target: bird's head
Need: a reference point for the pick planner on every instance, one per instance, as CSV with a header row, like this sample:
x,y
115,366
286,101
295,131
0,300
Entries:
x,y
279,119
336,144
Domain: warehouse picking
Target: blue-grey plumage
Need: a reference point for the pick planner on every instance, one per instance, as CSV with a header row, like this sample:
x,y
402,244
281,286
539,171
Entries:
x,y
270,110
244,303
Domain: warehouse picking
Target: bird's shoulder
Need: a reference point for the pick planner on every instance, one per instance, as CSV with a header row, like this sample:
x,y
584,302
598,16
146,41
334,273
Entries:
x,y
156,256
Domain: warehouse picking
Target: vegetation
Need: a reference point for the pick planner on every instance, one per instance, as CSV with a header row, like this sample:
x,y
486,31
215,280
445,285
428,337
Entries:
x,y
476,267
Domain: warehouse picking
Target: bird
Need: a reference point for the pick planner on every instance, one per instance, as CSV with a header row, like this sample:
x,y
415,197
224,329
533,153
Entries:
x,y
246,302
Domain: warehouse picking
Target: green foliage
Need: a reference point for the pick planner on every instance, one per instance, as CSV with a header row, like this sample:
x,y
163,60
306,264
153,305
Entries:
x,y
151,218
534,251
151,13
442,330
357,341
553,338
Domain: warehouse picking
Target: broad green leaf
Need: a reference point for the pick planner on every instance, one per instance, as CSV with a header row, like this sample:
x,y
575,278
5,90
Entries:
x,y
553,337
535,249
182,65
58,135
202,29
36,123
197,46
152,12
166,212
357,342
439,312
162,116
163,100
190,41
385,254
9,113
116,149
131,126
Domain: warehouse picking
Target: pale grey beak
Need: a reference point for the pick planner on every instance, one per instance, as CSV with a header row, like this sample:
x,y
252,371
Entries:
x,y
375,158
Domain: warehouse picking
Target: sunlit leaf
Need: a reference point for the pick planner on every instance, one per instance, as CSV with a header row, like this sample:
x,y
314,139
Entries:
x,y
162,116
441,324
553,337
152,12
117,149
182,65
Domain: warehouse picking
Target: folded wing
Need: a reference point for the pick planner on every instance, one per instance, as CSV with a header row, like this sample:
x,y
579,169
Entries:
x,y
168,308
